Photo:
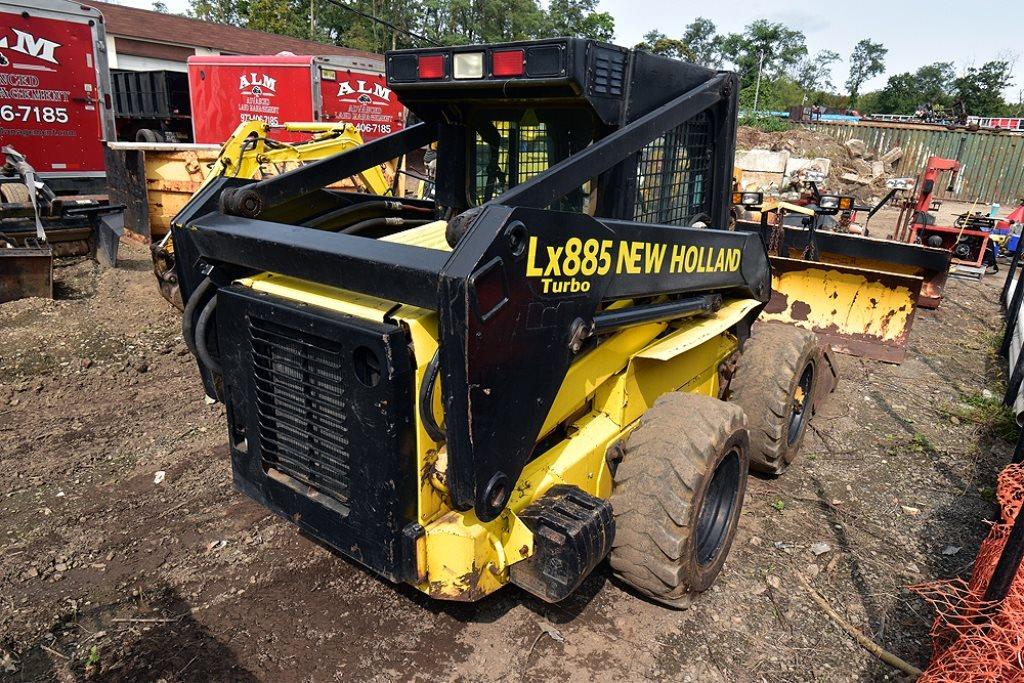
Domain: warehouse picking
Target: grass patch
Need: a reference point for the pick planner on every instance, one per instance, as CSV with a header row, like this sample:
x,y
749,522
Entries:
x,y
765,124
989,413
993,342
921,444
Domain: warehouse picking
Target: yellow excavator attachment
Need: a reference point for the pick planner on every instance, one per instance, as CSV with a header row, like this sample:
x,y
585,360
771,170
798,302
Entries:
x,y
855,310
251,152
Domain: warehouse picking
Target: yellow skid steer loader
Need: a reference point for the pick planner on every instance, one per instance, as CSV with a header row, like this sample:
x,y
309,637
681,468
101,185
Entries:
x,y
543,366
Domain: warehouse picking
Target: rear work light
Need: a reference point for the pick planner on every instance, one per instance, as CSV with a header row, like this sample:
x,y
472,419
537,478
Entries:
x,y
832,202
507,63
748,198
468,65
828,202
431,67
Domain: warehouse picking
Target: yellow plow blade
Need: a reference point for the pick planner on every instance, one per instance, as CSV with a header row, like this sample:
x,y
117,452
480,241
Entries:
x,y
855,310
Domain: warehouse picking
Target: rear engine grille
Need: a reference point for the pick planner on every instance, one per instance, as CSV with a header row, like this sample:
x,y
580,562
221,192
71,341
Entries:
x,y
609,72
301,407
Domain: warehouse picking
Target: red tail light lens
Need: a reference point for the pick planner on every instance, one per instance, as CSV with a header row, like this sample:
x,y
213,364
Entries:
x,y
507,63
431,66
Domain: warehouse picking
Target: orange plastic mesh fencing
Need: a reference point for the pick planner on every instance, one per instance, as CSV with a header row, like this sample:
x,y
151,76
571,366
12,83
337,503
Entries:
x,y
974,640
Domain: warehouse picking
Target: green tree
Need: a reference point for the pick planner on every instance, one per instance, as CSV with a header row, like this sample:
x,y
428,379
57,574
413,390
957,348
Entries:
x,y
815,73
219,11
980,89
700,44
934,82
282,17
774,46
660,44
701,38
161,7
776,94
579,18
866,61
931,86
901,95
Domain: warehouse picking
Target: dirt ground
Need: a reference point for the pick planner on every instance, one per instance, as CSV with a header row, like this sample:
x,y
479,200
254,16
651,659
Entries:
x,y
107,574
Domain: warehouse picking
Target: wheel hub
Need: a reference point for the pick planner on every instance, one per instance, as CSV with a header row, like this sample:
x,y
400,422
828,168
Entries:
x,y
801,397
717,508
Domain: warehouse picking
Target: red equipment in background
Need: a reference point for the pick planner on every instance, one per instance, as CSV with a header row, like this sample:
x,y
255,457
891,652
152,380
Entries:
x,y
969,245
54,103
228,90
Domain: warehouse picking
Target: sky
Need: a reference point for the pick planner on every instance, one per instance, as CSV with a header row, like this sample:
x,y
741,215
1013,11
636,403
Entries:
x,y
916,32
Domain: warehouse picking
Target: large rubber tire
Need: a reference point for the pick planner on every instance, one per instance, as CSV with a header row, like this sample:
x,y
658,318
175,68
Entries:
x,y
15,193
678,495
148,135
774,383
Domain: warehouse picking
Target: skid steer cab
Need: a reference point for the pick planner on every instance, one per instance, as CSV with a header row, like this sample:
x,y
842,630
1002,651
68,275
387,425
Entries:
x,y
543,366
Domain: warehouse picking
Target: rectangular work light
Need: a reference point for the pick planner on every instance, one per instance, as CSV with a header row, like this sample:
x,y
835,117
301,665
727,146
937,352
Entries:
x,y
748,198
833,202
828,202
468,65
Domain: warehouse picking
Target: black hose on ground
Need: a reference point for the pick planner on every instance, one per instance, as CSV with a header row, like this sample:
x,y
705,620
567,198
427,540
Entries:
x,y
202,352
189,313
427,399
384,221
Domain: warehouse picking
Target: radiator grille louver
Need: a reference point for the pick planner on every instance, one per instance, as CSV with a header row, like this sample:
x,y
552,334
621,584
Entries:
x,y
302,407
609,72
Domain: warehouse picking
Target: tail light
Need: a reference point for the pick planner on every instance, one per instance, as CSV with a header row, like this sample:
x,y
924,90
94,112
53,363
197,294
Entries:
x,y
508,63
543,61
431,67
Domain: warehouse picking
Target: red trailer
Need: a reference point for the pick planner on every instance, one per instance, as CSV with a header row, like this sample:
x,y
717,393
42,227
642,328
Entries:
x,y
228,90
54,103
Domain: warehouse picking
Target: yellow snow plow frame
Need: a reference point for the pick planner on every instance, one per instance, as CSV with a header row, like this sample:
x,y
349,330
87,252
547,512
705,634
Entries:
x,y
859,311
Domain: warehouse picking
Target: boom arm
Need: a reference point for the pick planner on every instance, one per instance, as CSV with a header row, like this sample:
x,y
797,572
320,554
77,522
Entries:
x,y
249,148
936,165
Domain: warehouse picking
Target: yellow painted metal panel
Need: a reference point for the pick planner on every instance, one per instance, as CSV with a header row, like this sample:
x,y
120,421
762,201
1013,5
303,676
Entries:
x,y
467,559
701,331
429,236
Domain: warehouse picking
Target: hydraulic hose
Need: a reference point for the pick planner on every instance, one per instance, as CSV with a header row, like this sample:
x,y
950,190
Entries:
x,y
202,351
357,212
363,211
189,312
384,221
427,399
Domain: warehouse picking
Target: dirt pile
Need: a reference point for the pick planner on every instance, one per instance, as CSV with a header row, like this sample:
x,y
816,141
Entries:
x,y
856,169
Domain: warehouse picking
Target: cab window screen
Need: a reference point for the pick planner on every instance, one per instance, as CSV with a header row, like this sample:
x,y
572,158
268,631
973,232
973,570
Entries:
x,y
673,173
508,152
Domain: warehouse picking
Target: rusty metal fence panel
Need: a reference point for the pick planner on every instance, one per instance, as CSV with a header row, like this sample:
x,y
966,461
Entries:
x,y
993,162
